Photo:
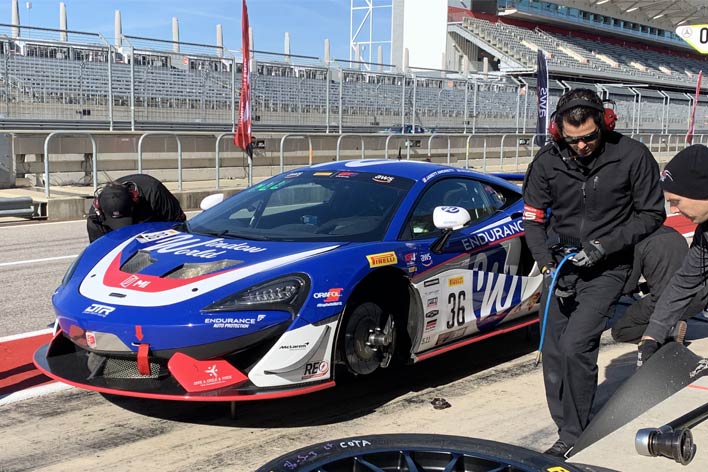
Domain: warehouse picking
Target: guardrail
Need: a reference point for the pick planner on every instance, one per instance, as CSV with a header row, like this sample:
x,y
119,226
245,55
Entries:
x,y
488,146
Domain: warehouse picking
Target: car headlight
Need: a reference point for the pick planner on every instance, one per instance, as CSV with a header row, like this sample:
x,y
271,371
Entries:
x,y
72,268
284,293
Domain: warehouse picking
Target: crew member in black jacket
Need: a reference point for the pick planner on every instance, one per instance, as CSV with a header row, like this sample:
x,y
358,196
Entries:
x,y
600,190
132,199
685,184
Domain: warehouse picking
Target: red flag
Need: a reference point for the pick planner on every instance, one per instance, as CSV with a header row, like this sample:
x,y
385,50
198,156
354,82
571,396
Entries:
x,y
692,120
242,138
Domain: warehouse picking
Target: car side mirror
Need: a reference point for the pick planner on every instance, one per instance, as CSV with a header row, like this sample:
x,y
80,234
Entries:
x,y
449,219
211,200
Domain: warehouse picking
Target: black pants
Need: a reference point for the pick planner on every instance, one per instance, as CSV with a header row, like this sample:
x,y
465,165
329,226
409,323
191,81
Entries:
x,y
631,326
572,344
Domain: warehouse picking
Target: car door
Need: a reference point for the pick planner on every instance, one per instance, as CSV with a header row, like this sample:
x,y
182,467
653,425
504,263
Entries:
x,y
473,284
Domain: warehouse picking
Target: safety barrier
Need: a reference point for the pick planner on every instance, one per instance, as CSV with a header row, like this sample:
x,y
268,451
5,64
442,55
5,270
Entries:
x,y
490,146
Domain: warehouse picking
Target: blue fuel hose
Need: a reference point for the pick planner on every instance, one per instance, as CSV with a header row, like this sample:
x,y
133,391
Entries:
x,y
551,289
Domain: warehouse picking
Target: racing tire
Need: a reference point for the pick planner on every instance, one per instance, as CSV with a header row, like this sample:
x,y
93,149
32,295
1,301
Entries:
x,y
360,356
415,453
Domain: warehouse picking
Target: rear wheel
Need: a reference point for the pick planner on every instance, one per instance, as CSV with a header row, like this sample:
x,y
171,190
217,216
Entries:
x,y
369,338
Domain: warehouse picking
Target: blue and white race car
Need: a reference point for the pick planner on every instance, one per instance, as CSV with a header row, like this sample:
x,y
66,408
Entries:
x,y
359,264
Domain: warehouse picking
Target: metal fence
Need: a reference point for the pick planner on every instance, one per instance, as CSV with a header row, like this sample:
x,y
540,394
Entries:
x,y
80,80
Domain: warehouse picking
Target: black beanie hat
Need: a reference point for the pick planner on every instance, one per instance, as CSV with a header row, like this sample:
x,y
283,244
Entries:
x,y
687,173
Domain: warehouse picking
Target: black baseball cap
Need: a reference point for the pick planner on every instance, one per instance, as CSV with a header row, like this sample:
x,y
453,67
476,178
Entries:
x,y
687,173
116,204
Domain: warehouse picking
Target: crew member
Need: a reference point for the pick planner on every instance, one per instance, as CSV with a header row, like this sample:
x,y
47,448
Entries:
x,y
685,184
596,186
132,199
656,258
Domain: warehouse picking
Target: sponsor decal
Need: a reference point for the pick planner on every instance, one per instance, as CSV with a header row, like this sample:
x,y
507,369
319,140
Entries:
x,y
99,310
409,258
431,282
412,269
430,325
328,298
188,245
91,339
456,281
436,173
382,259
449,336
147,237
241,323
134,281
383,179
294,347
492,235
426,259
451,210
293,175
432,314
315,369
533,214
322,174
432,302
425,340
346,174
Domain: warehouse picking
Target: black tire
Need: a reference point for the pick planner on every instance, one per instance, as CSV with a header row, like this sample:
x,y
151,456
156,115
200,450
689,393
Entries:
x,y
414,453
360,357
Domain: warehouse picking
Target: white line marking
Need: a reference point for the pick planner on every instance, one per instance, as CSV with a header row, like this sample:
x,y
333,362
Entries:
x,y
33,392
31,334
32,261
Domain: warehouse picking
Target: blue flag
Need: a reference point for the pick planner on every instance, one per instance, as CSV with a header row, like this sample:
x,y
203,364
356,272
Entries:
x,y
542,95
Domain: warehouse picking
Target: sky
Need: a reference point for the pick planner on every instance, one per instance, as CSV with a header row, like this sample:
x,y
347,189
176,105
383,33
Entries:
x,y
309,22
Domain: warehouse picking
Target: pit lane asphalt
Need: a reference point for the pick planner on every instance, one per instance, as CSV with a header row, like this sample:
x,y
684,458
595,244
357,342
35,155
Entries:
x,y
493,388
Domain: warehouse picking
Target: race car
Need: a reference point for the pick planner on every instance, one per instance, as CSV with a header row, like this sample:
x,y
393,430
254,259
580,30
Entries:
x,y
351,265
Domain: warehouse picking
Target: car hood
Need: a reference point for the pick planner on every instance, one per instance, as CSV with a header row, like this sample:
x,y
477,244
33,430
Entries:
x,y
167,267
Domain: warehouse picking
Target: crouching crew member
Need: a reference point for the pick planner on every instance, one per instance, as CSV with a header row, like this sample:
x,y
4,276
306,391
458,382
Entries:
x,y
132,199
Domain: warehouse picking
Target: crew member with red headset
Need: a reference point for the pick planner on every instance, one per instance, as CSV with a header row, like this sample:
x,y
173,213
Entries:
x,y
593,186
132,199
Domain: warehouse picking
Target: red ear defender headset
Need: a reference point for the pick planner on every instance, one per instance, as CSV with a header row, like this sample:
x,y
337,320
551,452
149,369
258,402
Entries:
x,y
607,118
132,190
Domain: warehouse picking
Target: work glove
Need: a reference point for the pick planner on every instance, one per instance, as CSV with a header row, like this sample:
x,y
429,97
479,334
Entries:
x,y
592,253
646,349
548,271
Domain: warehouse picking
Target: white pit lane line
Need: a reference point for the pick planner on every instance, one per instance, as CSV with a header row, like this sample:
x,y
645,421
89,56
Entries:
x,y
32,392
33,261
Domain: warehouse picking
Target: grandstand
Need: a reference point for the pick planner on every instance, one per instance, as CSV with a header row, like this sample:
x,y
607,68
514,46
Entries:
x,y
627,51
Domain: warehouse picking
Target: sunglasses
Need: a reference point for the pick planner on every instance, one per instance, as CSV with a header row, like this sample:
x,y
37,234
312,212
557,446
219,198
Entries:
x,y
586,139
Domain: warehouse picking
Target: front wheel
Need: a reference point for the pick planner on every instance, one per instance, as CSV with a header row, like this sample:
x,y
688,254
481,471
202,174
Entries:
x,y
369,338
414,453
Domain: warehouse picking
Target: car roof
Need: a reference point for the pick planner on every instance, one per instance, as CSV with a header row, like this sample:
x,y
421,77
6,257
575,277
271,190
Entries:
x,y
411,169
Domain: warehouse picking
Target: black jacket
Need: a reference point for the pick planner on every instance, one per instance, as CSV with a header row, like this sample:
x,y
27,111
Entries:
x,y
687,281
616,199
155,203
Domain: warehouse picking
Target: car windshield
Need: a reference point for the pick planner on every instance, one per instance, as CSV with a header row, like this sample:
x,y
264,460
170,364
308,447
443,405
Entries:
x,y
308,206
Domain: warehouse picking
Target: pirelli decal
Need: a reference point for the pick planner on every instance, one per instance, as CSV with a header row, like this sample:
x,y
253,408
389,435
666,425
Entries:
x,y
534,214
382,259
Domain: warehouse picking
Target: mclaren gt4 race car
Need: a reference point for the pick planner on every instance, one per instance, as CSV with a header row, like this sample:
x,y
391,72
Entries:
x,y
359,264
